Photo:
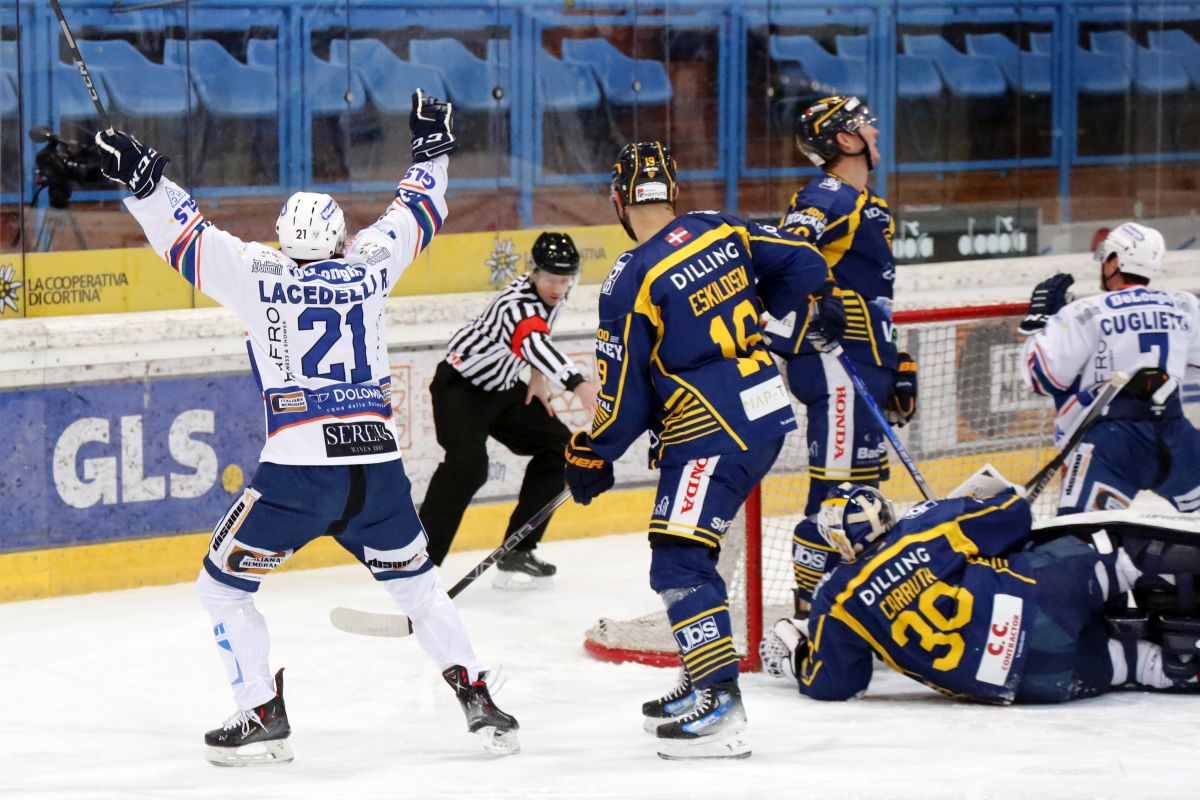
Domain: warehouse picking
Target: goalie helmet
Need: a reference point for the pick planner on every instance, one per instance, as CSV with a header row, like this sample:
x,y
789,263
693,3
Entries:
x,y
817,128
853,516
555,253
644,173
311,227
1138,249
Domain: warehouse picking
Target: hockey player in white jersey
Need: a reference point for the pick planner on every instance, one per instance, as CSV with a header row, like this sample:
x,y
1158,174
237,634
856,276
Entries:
x,y
314,316
1143,440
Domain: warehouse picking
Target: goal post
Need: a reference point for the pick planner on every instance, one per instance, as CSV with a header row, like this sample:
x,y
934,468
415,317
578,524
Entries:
x,y
973,408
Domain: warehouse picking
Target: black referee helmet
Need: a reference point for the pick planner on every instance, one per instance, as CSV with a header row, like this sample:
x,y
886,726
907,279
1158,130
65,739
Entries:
x,y
644,173
555,253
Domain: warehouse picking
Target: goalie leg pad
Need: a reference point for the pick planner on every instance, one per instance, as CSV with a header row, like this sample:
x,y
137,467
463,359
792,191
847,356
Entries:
x,y
1181,649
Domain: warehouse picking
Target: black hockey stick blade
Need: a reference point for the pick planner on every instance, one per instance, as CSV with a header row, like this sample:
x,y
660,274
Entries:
x,y
369,623
1035,485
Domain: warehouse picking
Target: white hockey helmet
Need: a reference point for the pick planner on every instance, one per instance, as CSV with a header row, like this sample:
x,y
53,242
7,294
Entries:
x,y
311,227
1138,248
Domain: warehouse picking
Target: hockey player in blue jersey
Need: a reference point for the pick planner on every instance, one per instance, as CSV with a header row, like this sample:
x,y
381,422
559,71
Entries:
x,y
1143,440
960,595
680,354
314,311
852,227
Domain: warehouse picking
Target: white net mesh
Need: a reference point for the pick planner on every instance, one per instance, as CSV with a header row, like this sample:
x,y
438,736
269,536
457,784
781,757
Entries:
x,y
974,409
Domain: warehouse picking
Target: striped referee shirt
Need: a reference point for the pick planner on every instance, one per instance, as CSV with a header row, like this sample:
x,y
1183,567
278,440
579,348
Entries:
x,y
491,350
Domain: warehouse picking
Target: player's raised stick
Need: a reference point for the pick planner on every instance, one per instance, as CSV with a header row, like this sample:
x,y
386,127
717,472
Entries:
x,y
83,70
369,623
1035,485
877,412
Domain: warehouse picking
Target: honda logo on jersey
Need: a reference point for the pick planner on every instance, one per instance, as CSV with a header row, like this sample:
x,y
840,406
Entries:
x,y
678,236
693,484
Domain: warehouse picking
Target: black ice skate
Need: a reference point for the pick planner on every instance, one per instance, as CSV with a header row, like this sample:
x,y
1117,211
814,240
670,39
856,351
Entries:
x,y
521,569
671,706
715,728
263,732
497,730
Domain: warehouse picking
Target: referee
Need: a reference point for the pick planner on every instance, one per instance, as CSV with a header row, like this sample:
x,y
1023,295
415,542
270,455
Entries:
x,y
477,393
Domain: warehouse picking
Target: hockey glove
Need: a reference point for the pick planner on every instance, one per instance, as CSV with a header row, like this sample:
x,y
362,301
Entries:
x,y
587,474
1048,297
826,318
125,160
430,126
902,403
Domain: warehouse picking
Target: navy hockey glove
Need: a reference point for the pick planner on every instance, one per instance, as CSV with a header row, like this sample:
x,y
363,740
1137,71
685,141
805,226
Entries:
x,y
125,160
587,474
430,126
902,403
826,318
1048,297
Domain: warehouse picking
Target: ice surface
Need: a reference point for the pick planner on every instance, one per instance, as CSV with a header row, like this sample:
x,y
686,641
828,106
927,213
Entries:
x,y
108,695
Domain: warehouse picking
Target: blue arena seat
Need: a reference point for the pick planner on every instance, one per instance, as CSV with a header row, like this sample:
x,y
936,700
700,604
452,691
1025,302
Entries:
x,y
1095,73
1154,71
833,74
389,80
10,101
1182,45
916,76
136,85
469,79
565,86
964,75
324,85
226,86
626,81
1026,72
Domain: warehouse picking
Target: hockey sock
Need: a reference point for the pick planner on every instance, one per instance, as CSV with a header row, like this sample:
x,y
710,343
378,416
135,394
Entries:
x,y
704,632
435,621
242,640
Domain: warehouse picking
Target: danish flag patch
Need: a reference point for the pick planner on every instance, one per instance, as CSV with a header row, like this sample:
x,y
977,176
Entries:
x,y
678,236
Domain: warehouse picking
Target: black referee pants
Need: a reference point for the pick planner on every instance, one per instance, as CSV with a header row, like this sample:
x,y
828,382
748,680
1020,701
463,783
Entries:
x,y
464,417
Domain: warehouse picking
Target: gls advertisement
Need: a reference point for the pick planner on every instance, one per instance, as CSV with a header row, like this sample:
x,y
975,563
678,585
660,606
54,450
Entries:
x,y
106,462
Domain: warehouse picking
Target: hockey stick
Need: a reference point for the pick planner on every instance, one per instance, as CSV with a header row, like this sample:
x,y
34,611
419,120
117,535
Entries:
x,y
1035,485
83,70
877,412
368,623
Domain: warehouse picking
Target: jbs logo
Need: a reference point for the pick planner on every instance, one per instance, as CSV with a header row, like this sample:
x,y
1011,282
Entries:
x,y
808,557
698,633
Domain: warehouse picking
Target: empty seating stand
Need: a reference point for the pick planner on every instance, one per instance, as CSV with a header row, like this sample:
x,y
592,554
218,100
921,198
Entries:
x,y
10,101
1095,73
964,75
1181,44
327,89
1153,71
226,86
916,76
830,74
136,85
389,80
474,84
566,86
625,81
1026,72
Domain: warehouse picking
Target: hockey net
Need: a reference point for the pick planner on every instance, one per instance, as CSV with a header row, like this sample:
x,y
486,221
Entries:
x,y
973,409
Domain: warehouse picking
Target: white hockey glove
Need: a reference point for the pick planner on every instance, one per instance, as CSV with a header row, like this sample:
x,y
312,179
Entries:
x,y
430,126
986,482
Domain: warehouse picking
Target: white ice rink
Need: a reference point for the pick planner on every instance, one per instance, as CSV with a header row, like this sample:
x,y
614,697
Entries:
x,y
108,695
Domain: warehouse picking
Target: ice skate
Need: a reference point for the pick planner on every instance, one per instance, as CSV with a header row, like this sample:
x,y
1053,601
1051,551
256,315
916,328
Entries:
x,y
497,730
671,706
257,736
521,569
715,728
